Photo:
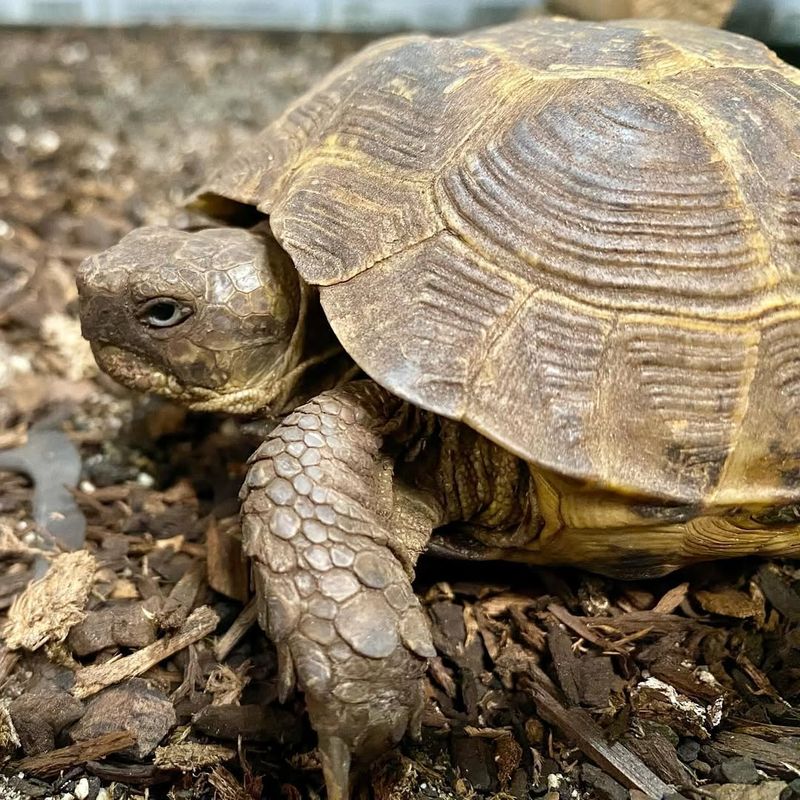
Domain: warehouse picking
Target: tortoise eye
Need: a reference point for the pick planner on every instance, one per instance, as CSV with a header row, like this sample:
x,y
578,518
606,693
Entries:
x,y
164,312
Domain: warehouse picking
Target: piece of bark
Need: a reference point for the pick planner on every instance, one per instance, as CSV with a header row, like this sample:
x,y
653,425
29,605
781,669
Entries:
x,y
40,715
659,754
773,755
120,625
686,682
597,680
580,626
443,677
653,699
564,661
134,706
448,629
234,634
613,758
251,722
603,787
779,593
129,774
90,680
181,599
50,606
227,569
672,599
56,760
729,602
474,758
635,621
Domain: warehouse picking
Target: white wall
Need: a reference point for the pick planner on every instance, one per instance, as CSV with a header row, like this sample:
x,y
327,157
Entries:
x,y
373,15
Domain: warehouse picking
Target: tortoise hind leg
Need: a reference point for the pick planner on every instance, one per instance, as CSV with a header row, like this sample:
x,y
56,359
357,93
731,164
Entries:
x,y
332,535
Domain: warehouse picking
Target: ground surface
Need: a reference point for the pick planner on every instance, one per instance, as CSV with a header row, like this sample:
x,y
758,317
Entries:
x,y
549,683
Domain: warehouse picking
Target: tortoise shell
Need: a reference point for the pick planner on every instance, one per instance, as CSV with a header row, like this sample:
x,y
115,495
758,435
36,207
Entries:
x,y
581,239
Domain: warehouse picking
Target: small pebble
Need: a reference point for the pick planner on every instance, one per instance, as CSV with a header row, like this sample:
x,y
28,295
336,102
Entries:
x,y
701,768
688,750
81,789
737,770
143,479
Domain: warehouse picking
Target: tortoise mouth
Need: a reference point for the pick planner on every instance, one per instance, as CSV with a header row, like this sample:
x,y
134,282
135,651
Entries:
x,y
137,373
132,370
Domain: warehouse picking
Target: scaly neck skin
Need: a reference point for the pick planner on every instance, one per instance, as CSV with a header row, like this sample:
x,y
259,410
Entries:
x,y
473,479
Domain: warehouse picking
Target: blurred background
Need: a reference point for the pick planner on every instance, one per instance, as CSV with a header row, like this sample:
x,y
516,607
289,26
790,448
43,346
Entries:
x,y
777,21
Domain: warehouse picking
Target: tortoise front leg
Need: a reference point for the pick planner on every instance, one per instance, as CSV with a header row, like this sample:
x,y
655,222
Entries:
x,y
332,535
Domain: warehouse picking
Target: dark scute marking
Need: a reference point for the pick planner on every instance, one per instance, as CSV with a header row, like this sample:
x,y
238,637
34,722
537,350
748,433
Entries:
x,y
671,513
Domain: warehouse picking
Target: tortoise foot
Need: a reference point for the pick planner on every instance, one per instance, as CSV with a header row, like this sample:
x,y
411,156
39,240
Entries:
x,y
333,595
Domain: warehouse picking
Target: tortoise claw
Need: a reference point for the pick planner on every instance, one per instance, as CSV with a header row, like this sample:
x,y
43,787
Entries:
x,y
335,756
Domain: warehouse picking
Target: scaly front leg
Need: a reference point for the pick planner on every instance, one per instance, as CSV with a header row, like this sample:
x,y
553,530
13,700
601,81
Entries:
x,y
332,534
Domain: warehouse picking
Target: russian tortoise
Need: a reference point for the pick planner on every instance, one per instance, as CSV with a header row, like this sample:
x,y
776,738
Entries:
x,y
565,254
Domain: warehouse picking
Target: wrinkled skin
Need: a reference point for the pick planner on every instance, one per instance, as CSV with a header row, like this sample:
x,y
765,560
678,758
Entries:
x,y
343,495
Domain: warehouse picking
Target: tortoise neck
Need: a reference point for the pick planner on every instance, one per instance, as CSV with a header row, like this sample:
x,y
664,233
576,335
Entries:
x,y
313,361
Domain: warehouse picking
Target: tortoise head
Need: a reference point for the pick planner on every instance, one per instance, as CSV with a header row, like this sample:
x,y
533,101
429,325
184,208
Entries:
x,y
208,318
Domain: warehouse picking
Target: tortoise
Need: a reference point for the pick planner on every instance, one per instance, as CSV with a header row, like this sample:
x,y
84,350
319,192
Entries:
x,y
563,258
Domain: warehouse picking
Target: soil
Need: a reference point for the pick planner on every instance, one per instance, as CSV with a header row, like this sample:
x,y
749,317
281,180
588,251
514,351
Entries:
x,y
133,667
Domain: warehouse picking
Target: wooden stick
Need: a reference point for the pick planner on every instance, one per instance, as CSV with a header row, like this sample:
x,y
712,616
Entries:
x,y
615,759
233,635
90,680
53,762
